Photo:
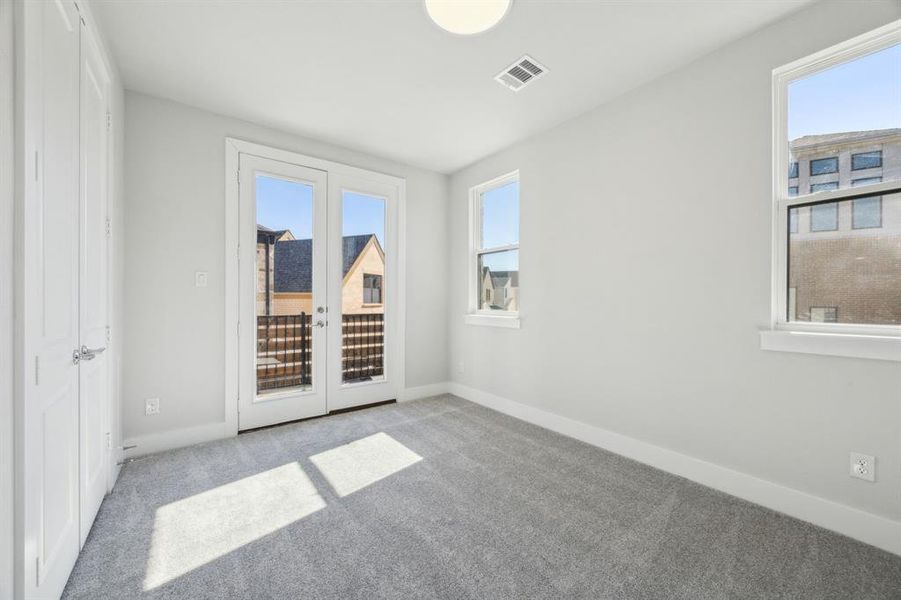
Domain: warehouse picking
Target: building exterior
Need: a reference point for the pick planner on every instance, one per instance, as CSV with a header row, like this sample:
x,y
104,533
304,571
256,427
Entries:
x,y
500,290
266,240
285,270
845,257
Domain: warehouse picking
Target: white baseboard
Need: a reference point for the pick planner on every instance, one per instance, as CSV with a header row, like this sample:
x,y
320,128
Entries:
x,y
188,436
178,438
424,391
863,526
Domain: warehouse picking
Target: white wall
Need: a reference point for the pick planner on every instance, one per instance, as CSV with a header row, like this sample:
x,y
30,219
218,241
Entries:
x,y
645,274
174,226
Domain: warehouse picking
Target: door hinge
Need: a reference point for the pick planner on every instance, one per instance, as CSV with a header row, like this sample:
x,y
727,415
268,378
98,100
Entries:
x,y
109,440
37,571
37,369
109,334
109,121
37,162
238,329
238,176
109,227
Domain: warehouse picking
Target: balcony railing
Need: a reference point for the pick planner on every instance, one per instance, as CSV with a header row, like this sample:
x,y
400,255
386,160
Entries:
x,y
285,353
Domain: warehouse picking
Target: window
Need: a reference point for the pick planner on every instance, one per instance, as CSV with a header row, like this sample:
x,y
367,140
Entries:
x,y
823,314
823,166
824,217
372,289
494,264
866,213
844,285
866,160
823,187
793,171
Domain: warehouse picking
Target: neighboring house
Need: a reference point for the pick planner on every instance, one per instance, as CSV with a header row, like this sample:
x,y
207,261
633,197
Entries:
x,y
500,290
266,240
835,246
292,272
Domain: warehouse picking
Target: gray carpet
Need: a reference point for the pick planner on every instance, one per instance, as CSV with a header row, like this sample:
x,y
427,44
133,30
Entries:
x,y
441,498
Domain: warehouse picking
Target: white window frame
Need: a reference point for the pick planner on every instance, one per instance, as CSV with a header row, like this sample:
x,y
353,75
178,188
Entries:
x,y
475,315
835,339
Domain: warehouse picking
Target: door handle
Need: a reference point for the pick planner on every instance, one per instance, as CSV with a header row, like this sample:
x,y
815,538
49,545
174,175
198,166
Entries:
x,y
320,323
90,353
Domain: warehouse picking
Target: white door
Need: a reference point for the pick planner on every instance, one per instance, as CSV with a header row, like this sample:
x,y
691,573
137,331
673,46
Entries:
x,y
363,284
50,239
282,281
93,278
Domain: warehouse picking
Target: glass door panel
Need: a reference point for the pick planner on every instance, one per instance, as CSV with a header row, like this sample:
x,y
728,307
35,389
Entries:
x,y
283,257
363,228
363,286
284,295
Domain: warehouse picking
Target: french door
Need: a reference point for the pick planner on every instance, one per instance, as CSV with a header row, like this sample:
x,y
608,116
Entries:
x,y
318,319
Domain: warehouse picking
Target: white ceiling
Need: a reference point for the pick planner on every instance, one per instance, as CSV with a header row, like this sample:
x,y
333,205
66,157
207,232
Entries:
x,y
380,77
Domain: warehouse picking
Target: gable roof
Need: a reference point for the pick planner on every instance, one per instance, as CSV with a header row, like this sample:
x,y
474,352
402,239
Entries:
x,y
294,261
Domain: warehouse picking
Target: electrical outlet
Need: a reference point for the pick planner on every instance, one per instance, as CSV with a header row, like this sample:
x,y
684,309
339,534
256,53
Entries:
x,y
200,278
863,466
152,406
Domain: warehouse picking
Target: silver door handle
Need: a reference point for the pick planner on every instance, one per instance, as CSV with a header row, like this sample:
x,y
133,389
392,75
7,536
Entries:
x,y
320,323
90,353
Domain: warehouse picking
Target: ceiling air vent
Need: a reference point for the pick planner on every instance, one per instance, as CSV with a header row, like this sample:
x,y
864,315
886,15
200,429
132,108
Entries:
x,y
521,73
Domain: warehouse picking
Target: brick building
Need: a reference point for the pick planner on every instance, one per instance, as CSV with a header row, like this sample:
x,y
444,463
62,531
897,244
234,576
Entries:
x,y
845,257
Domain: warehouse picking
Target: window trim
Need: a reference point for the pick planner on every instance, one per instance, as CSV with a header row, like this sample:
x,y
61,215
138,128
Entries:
x,y
834,339
475,315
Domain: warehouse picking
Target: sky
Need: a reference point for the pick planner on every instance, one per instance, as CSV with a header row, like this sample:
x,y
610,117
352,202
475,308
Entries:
x,y
283,204
860,95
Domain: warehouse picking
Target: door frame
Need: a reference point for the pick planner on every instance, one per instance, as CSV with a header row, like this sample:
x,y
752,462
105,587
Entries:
x,y
233,149
7,314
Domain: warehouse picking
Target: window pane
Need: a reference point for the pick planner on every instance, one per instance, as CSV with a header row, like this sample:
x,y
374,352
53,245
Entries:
x,y
847,118
362,300
500,216
822,166
866,213
848,275
284,284
499,280
793,170
824,217
866,160
820,187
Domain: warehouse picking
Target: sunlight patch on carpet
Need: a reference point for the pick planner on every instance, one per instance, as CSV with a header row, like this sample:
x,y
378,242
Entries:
x,y
192,532
354,466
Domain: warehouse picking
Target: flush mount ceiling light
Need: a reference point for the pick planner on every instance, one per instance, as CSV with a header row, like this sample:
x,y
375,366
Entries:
x,y
467,17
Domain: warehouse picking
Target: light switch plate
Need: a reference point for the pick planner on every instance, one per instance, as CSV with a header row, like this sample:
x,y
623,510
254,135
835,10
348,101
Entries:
x,y
200,278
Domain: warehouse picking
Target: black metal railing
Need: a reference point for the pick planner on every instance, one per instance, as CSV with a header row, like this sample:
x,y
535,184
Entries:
x,y
362,347
285,353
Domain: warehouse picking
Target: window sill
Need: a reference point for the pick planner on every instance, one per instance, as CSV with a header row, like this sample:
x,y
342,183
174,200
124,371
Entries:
x,y
492,321
878,347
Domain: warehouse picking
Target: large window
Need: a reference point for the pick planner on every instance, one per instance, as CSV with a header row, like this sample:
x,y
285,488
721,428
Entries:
x,y
494,266
838,250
